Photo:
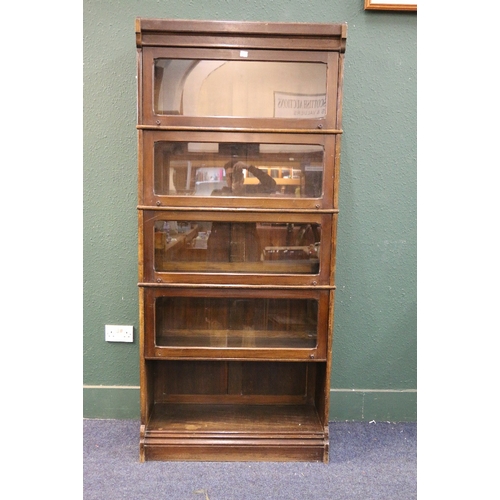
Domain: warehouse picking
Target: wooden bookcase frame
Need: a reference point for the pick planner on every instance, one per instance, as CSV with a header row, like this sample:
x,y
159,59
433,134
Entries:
x,y
225,391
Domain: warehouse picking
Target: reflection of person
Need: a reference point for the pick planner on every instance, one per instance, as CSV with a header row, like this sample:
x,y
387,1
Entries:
x,y
238,241
235,179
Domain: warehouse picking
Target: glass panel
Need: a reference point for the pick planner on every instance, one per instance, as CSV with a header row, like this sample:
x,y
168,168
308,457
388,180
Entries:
x,y
236,322
237,247
251,89
233,169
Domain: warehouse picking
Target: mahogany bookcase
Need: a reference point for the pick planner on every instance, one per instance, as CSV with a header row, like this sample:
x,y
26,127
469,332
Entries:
x,y
239,131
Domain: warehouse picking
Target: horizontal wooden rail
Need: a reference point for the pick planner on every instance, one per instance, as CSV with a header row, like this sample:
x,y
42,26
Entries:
x,y
225,285
183,128
234,210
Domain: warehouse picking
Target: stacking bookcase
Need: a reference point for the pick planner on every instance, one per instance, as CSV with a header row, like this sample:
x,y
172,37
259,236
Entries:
x,y
239,128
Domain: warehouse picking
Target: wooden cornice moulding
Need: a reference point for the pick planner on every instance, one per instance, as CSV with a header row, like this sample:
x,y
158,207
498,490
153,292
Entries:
x,y
235,34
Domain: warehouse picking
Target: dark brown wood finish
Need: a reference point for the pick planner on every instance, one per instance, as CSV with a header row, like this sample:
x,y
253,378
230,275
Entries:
x,y
210,336
236,337
150,119
150,198
276,273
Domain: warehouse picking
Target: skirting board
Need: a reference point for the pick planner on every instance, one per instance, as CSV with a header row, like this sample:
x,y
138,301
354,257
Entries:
x,y
371,404
122,402
111,401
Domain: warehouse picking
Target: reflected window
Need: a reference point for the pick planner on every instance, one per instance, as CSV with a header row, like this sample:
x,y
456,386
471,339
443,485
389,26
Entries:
x,y
252,89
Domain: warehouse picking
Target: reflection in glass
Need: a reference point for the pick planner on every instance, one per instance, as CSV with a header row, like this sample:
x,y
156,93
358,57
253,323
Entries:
x,y
237,247
236,322
253,89
236,169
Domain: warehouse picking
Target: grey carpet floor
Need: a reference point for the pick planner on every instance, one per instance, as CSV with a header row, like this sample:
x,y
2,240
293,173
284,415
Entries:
x,y
368,461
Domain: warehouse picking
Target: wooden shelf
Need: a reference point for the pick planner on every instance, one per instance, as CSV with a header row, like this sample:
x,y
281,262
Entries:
x,y
244,338
241,419
263,267
228,432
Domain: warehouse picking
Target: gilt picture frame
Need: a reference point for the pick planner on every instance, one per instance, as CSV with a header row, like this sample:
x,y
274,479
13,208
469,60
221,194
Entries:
x,y
408,5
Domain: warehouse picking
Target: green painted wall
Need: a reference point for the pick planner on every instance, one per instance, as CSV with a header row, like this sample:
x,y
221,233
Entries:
x,y
375,336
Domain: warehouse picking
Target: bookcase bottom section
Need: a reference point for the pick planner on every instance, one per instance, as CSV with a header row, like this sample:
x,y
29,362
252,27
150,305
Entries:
x,y
222,432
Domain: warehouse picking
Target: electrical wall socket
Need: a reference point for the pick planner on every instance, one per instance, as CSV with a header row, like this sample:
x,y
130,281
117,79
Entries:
x,y
119,333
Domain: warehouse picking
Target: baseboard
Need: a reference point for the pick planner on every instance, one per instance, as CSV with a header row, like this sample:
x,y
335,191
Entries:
x,y
122,402
372,404
114,402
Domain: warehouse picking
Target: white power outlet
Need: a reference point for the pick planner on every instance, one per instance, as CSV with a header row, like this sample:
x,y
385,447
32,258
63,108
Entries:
x,y
119,333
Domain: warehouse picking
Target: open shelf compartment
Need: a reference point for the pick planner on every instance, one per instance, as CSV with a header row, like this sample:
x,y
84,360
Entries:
x,y
221,413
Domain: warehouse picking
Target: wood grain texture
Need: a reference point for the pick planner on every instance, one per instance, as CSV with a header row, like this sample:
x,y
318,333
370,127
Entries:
x,y
235,346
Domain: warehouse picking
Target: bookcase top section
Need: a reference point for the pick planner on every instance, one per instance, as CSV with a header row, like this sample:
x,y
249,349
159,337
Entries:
x,y
281,35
